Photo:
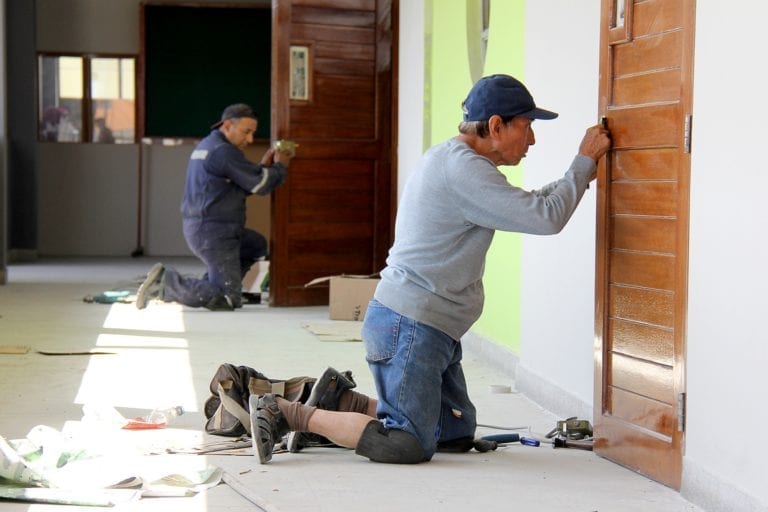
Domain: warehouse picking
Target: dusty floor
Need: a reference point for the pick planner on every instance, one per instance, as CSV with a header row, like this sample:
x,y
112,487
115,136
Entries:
x,y
166,355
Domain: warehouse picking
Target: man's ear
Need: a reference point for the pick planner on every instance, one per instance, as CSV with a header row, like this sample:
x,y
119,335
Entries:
x,y
495,123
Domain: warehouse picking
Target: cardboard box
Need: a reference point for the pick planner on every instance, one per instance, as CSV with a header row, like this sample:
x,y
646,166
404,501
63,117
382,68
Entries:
x,y
349,295
255,277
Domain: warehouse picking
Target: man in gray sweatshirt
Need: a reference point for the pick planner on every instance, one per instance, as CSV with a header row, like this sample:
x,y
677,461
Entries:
x,y
431,291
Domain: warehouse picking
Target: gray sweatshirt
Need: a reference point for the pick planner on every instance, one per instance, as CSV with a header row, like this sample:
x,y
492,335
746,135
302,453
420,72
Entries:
x,y
452,204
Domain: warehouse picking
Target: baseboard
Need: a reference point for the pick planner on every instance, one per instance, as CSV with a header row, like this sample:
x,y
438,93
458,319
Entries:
x,y
550,396
492,354
22,255
535,387
712,493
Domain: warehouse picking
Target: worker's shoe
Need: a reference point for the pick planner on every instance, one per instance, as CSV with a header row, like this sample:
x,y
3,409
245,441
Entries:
x,y
152,287
329,387
268,425
325,395
220,303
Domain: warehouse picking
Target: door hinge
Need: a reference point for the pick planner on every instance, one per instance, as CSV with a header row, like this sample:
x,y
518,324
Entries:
x,y
681,412
687,135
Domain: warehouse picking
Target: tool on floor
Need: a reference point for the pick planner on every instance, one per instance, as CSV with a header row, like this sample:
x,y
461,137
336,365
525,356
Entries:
x,y
110,297
530,441
572,433
502,438
583,444
492,441
571,428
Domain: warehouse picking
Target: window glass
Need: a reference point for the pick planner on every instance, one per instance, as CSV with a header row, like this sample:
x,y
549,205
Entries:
x,y
618,13
97,91
61,102
112,93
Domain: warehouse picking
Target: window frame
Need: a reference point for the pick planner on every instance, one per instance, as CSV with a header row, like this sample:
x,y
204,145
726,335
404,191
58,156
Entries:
x,y
87,107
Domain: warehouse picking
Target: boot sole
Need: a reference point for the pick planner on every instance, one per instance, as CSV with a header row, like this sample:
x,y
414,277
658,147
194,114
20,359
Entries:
x,y
152,275
259,449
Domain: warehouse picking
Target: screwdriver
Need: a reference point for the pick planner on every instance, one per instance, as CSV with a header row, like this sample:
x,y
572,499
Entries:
x,y
501,439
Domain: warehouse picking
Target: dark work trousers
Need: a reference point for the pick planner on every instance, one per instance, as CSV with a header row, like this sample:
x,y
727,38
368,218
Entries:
x,y
228,251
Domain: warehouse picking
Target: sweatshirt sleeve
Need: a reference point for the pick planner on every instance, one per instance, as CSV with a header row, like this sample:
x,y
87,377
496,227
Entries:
x,y
230,163
487,199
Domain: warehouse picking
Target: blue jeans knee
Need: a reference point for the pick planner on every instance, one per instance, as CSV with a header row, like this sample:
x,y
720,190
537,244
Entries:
x,y
419,380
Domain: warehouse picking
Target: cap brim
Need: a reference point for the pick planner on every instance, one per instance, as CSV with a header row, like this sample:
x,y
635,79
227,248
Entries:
x,y
540,113
216,125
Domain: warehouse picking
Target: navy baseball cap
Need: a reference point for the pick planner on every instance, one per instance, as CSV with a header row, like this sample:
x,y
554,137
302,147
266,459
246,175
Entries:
x,y
235,111
502,95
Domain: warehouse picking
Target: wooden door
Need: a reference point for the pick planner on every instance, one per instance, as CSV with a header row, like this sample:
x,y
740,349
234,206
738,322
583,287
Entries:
x,y
332,93
642,241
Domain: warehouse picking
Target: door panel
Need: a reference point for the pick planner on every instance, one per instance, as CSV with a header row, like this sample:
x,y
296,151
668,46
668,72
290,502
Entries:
x,y
650,54
650,163
644,270
646,127
642,341
334,213
642,253
648,414
641,377
643,198
657,17
637,89
643,233
649,306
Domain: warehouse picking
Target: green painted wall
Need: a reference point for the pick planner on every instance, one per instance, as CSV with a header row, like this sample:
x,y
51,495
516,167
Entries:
x,y
452,32
449,78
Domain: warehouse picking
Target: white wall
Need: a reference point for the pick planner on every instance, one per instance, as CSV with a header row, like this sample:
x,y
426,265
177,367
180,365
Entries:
x,y
98,25
410,112
165,173
83,26
86,209
725,458
557,316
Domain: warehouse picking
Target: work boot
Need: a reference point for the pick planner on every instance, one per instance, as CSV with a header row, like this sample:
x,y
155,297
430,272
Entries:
x,y
329,387
220,303
268,425
152,287
325,395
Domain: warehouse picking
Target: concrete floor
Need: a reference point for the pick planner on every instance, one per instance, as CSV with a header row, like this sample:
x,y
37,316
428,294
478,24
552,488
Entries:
x,y
166,355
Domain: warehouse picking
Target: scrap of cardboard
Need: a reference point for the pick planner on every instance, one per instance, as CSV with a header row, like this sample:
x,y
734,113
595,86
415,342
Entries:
x,y
13,349
336,330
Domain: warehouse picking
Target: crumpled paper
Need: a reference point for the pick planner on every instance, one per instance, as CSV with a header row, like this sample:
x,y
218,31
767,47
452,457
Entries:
x,y
82,462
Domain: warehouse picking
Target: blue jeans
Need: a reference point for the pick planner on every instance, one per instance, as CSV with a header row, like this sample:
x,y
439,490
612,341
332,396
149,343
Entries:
x,y
228,251
419,380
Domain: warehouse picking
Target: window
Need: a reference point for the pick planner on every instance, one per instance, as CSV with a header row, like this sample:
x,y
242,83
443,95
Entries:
x,y
87,99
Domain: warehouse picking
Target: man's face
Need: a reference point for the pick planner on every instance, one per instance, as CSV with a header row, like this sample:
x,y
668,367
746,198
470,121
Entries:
x,y
239,132
514,139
